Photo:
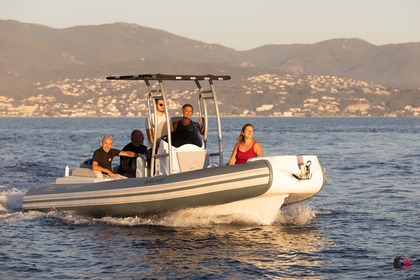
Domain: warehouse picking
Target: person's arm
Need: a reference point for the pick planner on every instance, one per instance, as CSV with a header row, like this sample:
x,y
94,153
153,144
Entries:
x,y
201,125
127,154
258,149
149,130
149,133
232,159
174,126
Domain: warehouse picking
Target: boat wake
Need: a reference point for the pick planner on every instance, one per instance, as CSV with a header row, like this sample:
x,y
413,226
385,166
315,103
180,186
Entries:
x,y
299,214
11,199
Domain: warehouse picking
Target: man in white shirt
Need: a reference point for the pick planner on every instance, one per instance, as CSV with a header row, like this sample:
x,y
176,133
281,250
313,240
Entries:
x,y
150,123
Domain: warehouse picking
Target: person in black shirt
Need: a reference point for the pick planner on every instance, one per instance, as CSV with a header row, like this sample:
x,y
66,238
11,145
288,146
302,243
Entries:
x,y
127,164
102,157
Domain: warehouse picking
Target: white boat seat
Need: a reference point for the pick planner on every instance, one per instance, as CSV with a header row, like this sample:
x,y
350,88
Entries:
x,y
86,172
191,160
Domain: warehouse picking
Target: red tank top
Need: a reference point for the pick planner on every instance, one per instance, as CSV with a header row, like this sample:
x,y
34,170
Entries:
x,y
242,157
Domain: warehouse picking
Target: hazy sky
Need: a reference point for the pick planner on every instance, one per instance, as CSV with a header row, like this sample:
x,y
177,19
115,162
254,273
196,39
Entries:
x,y
238,24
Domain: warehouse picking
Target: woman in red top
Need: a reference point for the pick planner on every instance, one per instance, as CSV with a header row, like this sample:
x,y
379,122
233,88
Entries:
x,y
246,147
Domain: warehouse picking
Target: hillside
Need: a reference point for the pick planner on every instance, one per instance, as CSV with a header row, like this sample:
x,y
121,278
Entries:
x,y
34,56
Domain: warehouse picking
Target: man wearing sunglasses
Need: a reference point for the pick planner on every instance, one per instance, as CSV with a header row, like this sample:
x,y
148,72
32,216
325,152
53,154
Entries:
x,y
150,123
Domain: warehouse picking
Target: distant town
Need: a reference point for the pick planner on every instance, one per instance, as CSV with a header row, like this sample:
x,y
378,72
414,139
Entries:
x,y
272,95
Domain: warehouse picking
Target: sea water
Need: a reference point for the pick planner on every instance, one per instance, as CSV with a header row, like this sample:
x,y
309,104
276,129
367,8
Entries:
x,y
366,215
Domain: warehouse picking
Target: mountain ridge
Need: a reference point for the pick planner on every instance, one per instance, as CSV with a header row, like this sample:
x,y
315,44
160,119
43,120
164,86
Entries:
x,y
41,47
36,56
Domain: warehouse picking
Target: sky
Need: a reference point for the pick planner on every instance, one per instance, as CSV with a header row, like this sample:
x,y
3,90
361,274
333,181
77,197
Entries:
x,y
237,24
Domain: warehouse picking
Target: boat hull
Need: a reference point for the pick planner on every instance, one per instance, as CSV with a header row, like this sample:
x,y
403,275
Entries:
x,y
257,189
138,196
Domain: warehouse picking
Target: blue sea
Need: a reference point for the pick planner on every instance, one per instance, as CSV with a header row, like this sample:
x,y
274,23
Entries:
x,y
367,214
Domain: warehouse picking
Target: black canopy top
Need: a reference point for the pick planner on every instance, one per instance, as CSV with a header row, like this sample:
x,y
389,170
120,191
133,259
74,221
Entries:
x,y
162,77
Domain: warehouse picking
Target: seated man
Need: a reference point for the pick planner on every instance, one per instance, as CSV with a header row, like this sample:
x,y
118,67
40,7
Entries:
x,y
128,164
186,130
102,157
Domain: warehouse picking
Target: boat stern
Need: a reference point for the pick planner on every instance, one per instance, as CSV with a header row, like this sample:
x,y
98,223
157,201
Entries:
x,y
299,177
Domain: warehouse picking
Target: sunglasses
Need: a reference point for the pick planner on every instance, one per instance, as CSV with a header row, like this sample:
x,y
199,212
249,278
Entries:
x,y
160,104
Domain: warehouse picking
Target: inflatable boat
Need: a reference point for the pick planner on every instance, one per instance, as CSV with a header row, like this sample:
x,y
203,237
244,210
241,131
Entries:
x,y
182,173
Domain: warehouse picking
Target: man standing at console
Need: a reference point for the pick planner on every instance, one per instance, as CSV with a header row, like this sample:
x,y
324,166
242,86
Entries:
x,y
186,123
150,122
186,131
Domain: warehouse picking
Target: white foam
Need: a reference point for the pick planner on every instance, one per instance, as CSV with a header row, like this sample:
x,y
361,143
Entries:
x,y
296,214
201,217
193,217
69,217
11,199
